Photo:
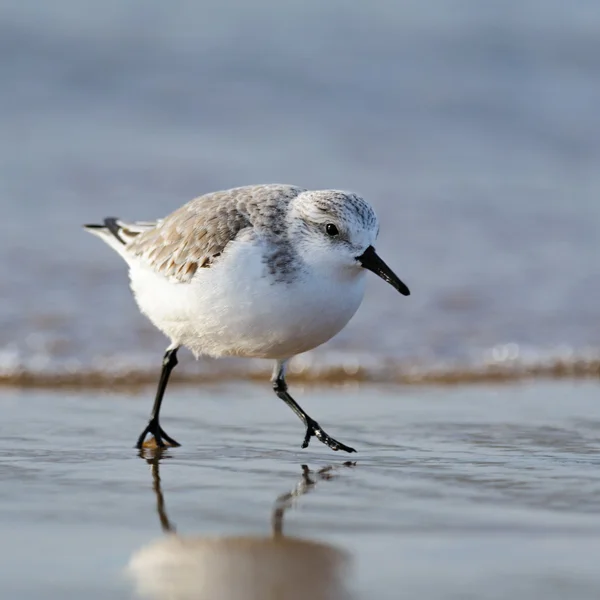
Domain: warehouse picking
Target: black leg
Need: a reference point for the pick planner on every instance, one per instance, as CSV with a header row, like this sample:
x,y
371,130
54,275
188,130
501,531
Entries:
x,y
153,427
312,427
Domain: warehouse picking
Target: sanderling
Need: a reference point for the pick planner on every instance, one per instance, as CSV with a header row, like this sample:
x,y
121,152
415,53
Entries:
x,y
264,271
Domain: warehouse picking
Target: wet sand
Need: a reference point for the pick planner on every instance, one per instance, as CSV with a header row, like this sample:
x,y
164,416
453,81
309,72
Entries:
x,y
478,492
470,129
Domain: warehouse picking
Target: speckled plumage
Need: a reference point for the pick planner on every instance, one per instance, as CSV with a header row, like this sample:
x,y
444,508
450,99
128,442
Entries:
x,y
278,229
264,271
196,234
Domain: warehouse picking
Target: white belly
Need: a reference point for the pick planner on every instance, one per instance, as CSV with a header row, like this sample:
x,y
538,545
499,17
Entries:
x,y
234,309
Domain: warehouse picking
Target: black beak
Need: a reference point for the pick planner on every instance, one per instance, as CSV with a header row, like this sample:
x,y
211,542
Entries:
x,y
369,260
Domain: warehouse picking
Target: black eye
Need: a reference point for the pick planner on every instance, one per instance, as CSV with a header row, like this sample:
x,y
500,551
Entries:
x,y
331,229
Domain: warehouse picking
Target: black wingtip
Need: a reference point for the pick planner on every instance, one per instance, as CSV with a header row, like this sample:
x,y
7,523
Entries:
x,y
111,224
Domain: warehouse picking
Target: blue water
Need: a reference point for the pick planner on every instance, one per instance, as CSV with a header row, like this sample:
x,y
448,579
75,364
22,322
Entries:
x,y
472,127
485,493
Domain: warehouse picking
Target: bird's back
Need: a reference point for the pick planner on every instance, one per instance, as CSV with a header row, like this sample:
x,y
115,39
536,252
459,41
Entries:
x,y
195,235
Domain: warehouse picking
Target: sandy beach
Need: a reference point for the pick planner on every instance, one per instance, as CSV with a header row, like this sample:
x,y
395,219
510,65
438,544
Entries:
x,y
473,130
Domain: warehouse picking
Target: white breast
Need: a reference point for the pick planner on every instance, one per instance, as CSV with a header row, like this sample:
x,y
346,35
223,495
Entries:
x,y
235,308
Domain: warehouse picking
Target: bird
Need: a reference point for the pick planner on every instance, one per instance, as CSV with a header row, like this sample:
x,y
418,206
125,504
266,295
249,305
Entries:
x,y
261,271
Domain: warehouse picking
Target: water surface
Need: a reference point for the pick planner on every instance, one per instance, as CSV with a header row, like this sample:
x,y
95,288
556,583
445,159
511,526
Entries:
x,y
480,492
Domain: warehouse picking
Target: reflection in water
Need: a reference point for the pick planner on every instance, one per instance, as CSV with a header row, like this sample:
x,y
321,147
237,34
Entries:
x,y
276,567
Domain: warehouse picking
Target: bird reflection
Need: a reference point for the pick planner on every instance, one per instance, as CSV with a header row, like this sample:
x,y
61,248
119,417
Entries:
x,y
275,567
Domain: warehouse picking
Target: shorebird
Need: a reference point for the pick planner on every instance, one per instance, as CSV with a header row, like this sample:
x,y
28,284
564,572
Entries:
x,y
263,271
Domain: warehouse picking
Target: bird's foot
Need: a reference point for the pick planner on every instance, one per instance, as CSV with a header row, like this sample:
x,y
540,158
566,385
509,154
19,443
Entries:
x,y
160,437
314,429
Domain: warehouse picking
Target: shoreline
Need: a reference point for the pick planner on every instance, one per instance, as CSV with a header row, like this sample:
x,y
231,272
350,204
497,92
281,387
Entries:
x,y
497,374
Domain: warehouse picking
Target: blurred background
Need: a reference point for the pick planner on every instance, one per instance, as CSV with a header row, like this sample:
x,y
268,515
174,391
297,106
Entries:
x,y
472,127
474,130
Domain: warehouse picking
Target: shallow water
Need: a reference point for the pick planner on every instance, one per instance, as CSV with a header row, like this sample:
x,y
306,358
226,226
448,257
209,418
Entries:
x,y
474,130
472,127
482,492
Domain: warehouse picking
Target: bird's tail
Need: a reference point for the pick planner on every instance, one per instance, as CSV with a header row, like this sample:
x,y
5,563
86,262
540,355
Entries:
x,y
118,234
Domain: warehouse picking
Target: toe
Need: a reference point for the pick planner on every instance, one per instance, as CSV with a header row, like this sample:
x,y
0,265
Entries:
x,y
347,449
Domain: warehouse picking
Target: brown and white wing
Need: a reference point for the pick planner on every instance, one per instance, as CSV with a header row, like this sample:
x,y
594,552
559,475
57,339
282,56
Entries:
x,y
190,238
196,234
